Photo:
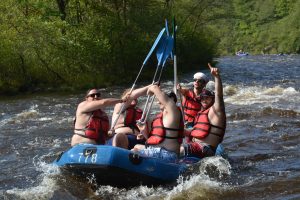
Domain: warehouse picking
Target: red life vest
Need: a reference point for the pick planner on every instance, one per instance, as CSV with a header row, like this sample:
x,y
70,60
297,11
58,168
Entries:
x,y
191,106
202,126
132,114
158,131
97,127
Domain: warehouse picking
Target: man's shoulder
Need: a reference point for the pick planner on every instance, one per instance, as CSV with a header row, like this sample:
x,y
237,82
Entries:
x,y
82,104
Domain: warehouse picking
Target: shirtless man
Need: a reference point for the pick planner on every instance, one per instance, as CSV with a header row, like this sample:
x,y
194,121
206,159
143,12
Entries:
x,y
210,122
125,131
91,122
191,98
165,137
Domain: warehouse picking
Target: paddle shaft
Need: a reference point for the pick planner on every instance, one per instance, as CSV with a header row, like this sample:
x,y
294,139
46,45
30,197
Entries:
x,y
159,37
152,100
175,69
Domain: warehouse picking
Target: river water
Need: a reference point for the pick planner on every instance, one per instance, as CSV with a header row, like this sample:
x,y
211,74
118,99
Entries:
x,y
262,141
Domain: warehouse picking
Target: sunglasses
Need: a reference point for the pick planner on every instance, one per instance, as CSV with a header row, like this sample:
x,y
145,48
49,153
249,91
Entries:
x,y
199,81
94,95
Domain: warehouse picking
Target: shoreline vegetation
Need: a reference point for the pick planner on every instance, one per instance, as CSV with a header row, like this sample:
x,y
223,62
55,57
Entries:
x,y
64,46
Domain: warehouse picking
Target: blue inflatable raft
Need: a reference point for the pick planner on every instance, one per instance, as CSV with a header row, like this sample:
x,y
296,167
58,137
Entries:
x,y
120,167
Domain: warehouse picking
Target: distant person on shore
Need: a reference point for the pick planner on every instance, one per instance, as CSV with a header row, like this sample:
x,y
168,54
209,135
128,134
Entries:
x,y
125,132
191,98
91,122
210,122
166,133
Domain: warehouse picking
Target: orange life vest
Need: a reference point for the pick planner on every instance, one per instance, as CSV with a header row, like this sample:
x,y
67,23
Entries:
x,y
158,131
191,106
97,127
202,126
132,114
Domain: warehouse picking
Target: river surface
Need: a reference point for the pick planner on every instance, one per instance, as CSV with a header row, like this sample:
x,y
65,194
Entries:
x,y
262,140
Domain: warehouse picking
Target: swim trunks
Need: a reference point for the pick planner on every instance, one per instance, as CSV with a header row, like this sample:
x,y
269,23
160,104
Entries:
x,y
159,152
198,149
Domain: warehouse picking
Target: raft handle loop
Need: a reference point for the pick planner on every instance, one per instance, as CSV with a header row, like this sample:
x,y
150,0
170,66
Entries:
x,y
89,151
135,158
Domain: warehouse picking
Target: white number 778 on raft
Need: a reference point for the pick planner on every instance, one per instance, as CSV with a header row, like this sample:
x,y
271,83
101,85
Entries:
x,y
86,158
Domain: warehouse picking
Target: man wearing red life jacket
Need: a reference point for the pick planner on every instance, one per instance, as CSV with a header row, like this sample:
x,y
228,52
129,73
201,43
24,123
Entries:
x,y
210,122
191,98
91,122
165,136
125,131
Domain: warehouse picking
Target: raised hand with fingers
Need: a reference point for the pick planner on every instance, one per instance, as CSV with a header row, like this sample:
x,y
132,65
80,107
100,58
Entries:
x,y
156,83
151,89
214,71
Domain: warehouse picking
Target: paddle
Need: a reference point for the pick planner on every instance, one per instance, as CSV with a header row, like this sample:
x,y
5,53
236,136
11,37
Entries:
x,y
165,56
158,39
159,56
154,46
175,57
167,32
175,69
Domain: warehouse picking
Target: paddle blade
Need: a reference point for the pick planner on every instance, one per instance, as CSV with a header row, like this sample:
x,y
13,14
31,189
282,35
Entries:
x,y
161,49
167,27
155,44
168,34
168,50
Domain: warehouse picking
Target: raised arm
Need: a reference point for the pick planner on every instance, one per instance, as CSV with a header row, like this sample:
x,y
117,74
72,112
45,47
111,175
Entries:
x,y
89,106
167,102
219,100
129,97
182,90
138,92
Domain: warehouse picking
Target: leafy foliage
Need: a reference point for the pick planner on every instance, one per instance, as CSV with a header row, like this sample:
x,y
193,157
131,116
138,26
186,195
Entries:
x,y
79,44
262,26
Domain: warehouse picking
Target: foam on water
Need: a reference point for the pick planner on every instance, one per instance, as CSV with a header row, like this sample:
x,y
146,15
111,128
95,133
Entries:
x,y
30,113
42,119
44,190
200,178
203,180
241,95
45,185
140,192
216,167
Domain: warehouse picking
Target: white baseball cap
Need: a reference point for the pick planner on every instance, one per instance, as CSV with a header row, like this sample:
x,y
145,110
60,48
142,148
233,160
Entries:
x,y
200,75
